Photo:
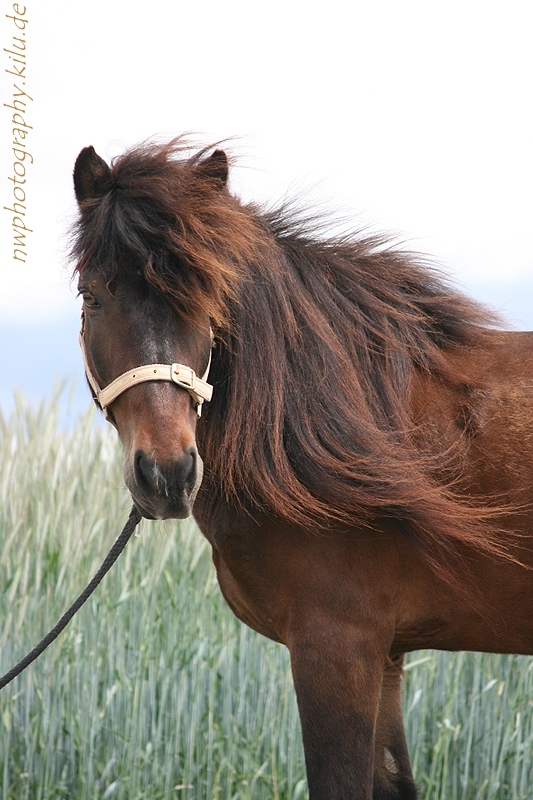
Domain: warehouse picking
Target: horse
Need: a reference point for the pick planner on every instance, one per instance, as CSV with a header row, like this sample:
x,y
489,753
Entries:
x,y
351,433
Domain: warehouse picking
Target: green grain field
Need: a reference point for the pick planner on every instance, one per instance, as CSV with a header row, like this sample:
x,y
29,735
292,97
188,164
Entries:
x,y
155,691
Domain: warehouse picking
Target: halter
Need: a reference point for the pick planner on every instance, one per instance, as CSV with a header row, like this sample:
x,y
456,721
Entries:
x,y
182,376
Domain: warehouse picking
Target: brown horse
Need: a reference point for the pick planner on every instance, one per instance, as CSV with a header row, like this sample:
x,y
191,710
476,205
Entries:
x,y
368,447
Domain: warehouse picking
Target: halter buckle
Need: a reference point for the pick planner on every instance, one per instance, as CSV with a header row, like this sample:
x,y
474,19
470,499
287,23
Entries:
x,y
184,376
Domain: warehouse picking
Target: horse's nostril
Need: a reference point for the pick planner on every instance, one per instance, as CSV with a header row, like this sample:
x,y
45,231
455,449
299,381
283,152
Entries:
x,y
184,471
172,480
143,470
191,454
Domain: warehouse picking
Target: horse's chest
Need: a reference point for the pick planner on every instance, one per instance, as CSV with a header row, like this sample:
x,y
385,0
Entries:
x,y
277,577
246,580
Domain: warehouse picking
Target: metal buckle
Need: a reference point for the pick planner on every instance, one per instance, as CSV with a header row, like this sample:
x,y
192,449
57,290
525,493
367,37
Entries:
x,y
184,375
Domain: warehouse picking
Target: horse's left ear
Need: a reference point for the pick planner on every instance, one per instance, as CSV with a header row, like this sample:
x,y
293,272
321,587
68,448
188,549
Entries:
x,y
216,166
92,176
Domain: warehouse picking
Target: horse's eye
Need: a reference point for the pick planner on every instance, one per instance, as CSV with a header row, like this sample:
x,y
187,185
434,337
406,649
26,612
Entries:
x,y
90,300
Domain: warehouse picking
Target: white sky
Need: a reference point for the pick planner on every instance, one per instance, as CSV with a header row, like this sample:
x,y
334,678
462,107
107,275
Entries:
x,y
414,116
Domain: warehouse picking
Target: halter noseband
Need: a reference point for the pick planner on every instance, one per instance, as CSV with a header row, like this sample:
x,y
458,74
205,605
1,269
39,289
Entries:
x,y
183,376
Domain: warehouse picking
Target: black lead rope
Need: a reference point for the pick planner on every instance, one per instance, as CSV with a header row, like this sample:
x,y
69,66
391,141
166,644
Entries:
x,y
133,520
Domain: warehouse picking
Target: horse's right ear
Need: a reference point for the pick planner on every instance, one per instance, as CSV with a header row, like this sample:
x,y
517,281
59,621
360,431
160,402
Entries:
x,y
216,166
92,176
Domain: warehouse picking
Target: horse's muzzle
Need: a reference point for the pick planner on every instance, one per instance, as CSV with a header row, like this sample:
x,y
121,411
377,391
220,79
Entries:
x,y
165,491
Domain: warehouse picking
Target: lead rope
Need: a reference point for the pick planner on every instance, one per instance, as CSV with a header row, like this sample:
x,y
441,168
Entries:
x,y
133,520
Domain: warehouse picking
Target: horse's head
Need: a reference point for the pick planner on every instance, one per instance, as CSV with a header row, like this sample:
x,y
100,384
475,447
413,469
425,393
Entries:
x,y
129,323
126,326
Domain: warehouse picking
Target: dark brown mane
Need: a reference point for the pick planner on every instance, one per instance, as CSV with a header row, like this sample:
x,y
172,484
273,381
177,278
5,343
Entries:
x,y
350,319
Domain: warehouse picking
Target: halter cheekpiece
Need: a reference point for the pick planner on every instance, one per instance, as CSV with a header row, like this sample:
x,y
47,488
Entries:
x,y
181,375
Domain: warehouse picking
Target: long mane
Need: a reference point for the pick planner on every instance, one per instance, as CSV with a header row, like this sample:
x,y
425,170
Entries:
x,y
317,342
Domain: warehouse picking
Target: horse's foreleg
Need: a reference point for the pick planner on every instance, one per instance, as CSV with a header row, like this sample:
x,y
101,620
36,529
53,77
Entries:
x,y
393,779
337,677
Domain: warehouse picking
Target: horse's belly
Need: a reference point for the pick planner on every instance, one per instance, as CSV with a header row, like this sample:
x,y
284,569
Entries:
x,y
489,610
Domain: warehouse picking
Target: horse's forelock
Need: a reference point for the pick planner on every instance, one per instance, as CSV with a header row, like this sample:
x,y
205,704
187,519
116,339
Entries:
x,y
168,215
